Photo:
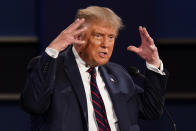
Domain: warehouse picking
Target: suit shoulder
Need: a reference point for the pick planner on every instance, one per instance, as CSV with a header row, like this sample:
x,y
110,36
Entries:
x,y
115,66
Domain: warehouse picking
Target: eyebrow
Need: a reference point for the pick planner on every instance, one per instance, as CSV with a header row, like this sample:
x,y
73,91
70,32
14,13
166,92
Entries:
x,y
97,32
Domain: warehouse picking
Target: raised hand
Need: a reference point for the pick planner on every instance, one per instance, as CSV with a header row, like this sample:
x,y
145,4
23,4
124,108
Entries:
x,y
69,36
147,50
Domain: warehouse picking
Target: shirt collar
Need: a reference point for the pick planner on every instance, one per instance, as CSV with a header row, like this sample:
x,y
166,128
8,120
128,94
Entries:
x,y
81,63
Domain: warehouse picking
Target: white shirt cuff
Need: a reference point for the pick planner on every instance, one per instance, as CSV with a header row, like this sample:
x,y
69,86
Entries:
x,y
52,52
155,69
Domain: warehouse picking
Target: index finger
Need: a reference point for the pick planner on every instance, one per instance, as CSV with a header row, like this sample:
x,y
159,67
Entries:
x,y
147,36
141,32
145,32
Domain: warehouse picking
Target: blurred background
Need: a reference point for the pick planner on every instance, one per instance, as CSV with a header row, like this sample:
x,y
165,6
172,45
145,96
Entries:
x,y
27,27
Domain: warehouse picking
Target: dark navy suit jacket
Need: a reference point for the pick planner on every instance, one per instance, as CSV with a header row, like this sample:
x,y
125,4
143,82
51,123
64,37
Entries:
x,y
54,95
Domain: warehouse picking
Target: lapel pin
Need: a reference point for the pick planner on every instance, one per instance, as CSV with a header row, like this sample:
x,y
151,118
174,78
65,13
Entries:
x,y
112,80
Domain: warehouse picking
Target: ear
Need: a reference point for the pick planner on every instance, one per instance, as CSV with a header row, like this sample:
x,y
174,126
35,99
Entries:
x,y
81,36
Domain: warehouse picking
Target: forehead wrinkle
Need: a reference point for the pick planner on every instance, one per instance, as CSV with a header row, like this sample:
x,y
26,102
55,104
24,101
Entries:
x,y
104,30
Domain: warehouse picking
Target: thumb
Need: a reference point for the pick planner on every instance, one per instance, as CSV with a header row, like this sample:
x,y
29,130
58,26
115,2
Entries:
x,y
133,49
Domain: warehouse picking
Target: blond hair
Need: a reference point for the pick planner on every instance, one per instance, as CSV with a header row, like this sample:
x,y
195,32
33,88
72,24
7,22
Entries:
x,y
97,13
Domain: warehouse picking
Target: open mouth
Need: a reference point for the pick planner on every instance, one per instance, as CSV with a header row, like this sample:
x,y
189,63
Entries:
x,y
102,54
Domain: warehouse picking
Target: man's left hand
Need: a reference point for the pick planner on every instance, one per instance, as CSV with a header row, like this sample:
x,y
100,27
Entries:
x,y
147,50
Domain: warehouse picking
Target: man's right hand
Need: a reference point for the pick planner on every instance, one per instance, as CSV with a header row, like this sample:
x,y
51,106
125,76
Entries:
x,y
68,36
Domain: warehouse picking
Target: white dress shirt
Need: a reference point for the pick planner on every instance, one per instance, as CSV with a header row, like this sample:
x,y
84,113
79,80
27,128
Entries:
x,y
104,94
112,119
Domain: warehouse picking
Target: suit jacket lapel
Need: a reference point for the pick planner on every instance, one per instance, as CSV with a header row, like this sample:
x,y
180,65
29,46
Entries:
x,y
72,71
119,104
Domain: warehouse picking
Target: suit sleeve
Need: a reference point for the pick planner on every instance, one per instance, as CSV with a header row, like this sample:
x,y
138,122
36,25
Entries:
x,y
36,95
151,101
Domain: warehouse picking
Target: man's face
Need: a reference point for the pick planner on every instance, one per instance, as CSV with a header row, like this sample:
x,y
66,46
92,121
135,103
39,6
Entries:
x,y
99,42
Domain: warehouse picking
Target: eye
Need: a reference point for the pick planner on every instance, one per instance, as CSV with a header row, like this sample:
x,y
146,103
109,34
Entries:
x,y
97,35
111,37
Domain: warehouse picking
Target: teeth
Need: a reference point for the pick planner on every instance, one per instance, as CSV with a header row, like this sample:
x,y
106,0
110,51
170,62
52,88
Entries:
x,y
103,54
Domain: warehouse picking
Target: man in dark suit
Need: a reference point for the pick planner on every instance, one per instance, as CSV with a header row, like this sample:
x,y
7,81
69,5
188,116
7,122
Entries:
x,y
73,87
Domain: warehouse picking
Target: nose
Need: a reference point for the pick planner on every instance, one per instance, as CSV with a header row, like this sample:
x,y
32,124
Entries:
x,y
105,42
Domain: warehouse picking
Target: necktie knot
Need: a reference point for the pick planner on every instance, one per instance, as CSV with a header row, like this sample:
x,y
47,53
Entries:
x,y
92,71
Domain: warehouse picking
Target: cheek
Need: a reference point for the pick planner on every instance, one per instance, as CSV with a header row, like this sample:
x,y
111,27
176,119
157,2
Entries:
x,y
97,42
111,47
94,46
